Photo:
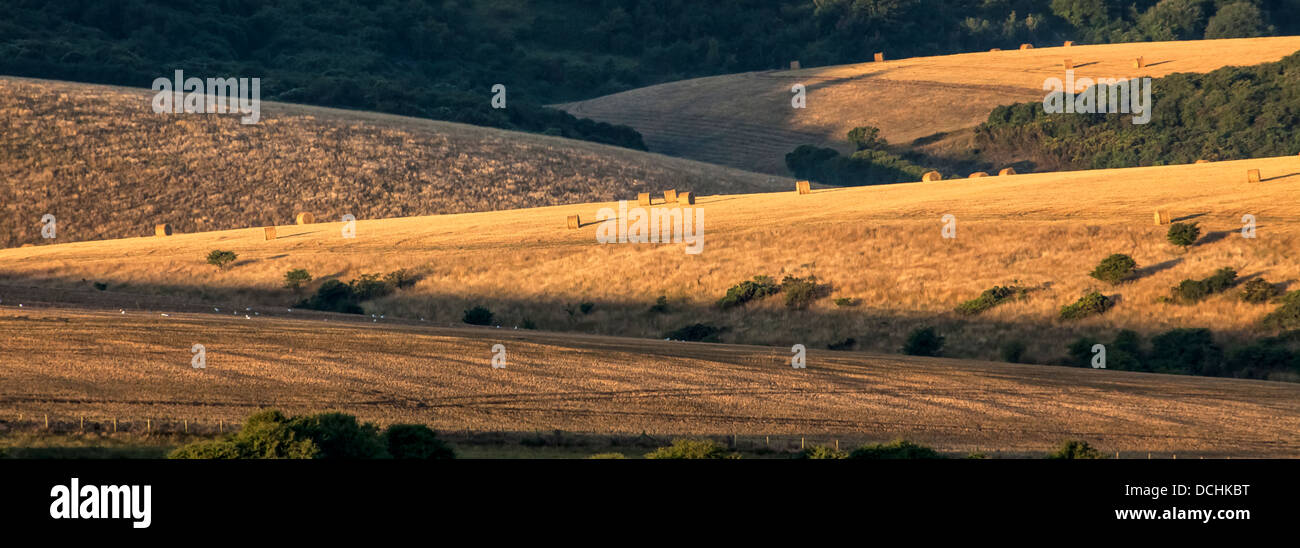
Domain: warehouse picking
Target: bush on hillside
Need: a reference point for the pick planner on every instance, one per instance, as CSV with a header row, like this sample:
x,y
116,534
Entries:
x,y
1091,304
333,296
693,449
1183,234
897,449
923,342
697,332
270,434
989,299
749,290
1287,316
221,259
478,315
1193,291
801,292
1115,269
416,441
821,452
1258,291
295,279
1076,449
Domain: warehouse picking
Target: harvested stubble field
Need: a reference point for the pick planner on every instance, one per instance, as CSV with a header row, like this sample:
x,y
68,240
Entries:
x,y
880,245
104,364
745,120
106,166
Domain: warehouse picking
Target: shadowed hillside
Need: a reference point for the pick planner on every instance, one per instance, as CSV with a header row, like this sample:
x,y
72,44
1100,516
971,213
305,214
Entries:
x,y
106,166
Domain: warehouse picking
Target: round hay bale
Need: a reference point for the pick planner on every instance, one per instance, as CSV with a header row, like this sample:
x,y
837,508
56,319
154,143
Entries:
x,y
1068,43
162,230
1007,171
931,176
1026,46
304,218
268,233
880,56
643,198
802,187
686,198
978,174
574,222
1202,161
1252,176
670,196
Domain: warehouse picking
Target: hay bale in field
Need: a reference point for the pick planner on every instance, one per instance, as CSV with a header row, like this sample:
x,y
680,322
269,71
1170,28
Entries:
x,y
162,230
268,233
574,222
27,245
931,176
304,218
687,198
1068,43
1252,176
1069,64
1007,171
794,65
1202,161
996,49
1139,63
1026,46
880,56
643,198
978,174
670,196
1163,216
802,187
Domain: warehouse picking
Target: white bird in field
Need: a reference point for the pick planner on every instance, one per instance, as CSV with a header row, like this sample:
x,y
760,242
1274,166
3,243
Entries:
x,y
166,316
214,309
122,311
247,317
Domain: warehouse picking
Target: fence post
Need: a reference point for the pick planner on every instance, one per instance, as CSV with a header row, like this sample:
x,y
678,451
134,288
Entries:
x,y
221,426
148,425
801,443
47,421
114,425
186,422
83,423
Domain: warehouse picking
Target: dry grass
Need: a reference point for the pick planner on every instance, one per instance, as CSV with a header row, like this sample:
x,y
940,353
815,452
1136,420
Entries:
x,y
442,377
881,245
106,166
745,120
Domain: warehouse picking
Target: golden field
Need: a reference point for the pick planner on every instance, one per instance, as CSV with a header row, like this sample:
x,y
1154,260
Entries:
x,y
106,166
105,365
881,245
745,120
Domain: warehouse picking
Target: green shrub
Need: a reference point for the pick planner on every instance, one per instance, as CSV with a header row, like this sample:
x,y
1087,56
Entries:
x,y
1183,234
1075,449
739,294
1092,304
400,279
370,286
340,436
528,324
692,449
216,449
1080,351
821,452
333,296
801,292
586,308
660,306
695,333
269,434
1259,291
989,299
221,259
1190,350
101,286
416,441
295,279
1287,316
866,137
847,302
607,456
923,342
846,344
1258,359
897,449
1115,269
1192,291
478,315
1013,351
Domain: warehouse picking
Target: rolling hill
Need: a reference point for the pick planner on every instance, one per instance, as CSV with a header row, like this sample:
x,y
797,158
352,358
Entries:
x,y
100,161
881,246
746,120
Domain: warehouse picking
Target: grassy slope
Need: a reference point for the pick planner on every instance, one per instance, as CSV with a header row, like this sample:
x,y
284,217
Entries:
x,y
745,120
878,244
106,166
136,366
